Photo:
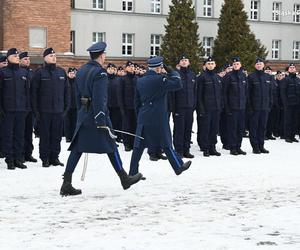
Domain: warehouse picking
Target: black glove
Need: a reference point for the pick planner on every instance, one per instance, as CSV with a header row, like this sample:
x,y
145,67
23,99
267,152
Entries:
x,y
168,69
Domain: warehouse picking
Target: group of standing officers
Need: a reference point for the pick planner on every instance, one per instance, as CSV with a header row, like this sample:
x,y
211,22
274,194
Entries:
x,y
227,102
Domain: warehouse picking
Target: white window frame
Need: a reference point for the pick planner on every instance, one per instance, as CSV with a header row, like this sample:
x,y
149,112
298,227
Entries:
x,y
296,13
276,45
155,6
126,44
276,10
254,12
296,50
154,46
98,37
98,4
207,45
37,37
127,2
207,8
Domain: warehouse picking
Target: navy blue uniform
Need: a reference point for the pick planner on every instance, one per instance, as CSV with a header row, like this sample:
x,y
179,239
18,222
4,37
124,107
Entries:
x,y
209,105
235,98
152,121
290,97
14,97
259,105
184,105
50,102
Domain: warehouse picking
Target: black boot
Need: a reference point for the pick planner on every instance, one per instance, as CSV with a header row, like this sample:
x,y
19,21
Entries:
x,y
10,165
162,157
30,158
185,166
256,151
46,164
206,153
153,158
19,164
241,152
264,151
67,188
127,180
214,152
234,152
188,155
56,162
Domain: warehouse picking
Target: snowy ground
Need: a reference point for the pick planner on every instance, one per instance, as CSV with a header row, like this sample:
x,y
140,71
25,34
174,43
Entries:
x,y
227,202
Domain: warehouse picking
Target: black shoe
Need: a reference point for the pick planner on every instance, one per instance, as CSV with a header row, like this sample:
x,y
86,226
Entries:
x,y
2,155
56,162
128,148
162,157
256,151
188,155
30,158
294,140
127,180
234,152
10,165
264,151
206,153
185,166
271,138
19,164
67,188
289,140
46,164
153,158
214,152
241,152
22,159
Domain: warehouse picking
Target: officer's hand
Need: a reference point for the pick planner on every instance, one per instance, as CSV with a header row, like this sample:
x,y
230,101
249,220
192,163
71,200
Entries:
x,y
168,69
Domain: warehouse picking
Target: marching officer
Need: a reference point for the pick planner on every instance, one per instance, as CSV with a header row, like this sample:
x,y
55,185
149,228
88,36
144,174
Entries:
x,y
28,145
92,132
209,105
71,116
184,101
50,103
14,96
290,97
259,105
235,98
153,122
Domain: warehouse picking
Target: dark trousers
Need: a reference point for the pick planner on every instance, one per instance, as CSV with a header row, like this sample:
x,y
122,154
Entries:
x,y
13,127
51,127
70,121
209,129
154,151
74,157
116,119
291,121
183,123
257,128
235,129
273,122
28,146
223,131
175,161
129,125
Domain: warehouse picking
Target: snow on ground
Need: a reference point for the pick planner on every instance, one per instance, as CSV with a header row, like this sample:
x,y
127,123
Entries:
x,y
227,202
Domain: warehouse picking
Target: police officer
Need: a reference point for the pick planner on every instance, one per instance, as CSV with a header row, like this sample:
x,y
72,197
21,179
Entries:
x,y
153,123
120,71
91,134
259,105
28,145
184,101
50,102
279,79
71,116
235,97
209,105
3,63
14,96
290,97
126,101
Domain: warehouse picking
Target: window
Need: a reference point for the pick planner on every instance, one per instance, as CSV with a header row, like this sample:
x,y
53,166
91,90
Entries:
x,y
296,50
127,44
207,46
127,5
98,4
296,13
276,49
254,10
72,41
98,37
37,37
155,6
155,45
207,8
276,11
72,4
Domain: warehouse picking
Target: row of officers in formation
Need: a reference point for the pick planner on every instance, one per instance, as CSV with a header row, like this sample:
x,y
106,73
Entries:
x,y
228,103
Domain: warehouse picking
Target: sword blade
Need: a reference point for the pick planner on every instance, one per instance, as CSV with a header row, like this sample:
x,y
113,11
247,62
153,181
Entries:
x,y
127,133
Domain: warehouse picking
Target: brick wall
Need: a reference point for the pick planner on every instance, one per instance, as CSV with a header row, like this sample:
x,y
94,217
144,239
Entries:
x,y
1,25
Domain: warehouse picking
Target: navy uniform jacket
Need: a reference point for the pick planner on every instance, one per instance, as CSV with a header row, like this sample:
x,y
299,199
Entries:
x,y
14,89
50,90
91,82
186,97
29,78
290,90
113,85
126,91
152,110
260,91
235,89
72,93
209,92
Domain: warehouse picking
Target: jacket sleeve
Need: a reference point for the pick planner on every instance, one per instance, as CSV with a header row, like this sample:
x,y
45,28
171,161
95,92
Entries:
x,y
283,90
249,94
35,91
67,94
137,102
173,82
200,104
